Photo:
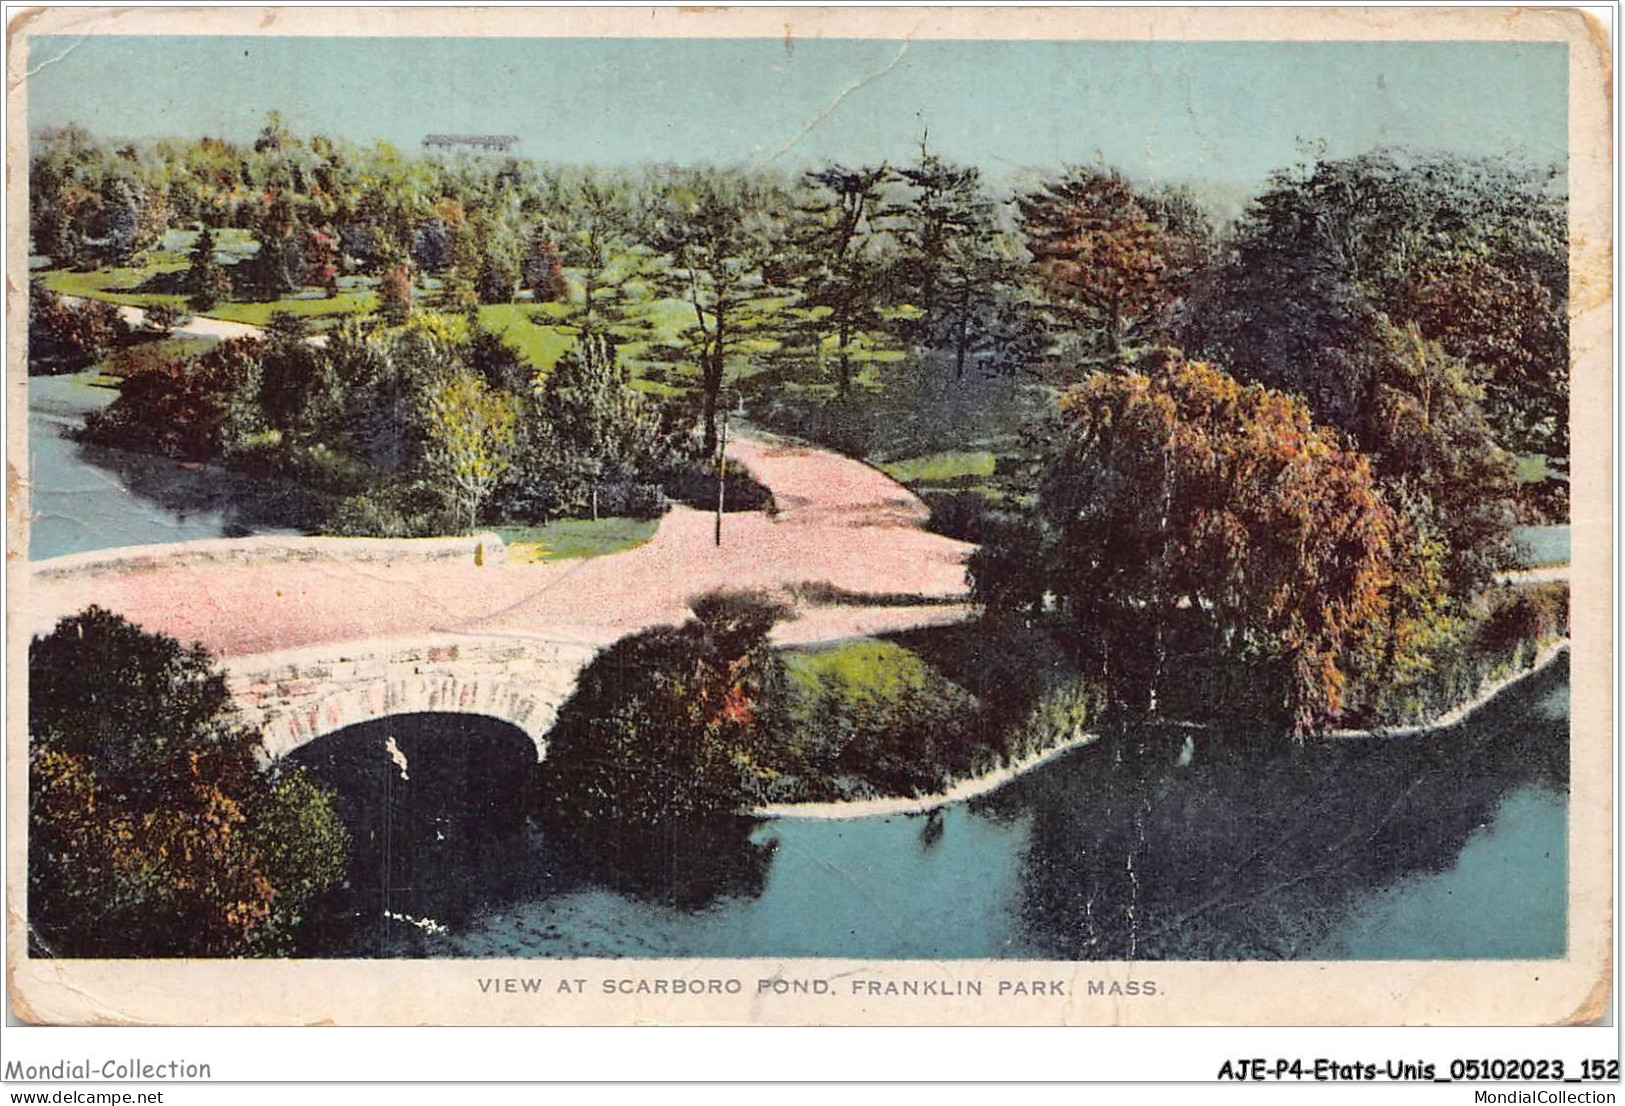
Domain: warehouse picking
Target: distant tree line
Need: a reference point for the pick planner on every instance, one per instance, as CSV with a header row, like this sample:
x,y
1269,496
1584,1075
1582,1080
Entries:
x,y
1085,270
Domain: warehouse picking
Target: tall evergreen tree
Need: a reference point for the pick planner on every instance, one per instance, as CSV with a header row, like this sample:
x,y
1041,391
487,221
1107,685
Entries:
x,y
837,259
543,271
719,235
592,426
1114,261
944,204
206,280
600,240
959,269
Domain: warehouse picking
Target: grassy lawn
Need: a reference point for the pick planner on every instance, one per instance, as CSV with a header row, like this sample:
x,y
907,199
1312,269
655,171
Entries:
x,y
1530,469
541,343
867,678
119,286
859,669
569,538
313,305
231,244
941,468
542,346
113,285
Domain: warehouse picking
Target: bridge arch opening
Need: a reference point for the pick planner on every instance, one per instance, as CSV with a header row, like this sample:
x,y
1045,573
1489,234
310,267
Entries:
x,y
296,725
436,805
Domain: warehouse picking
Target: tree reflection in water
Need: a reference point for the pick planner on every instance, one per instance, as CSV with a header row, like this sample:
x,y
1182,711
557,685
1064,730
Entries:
x,y
1116,851
1251,852
444,830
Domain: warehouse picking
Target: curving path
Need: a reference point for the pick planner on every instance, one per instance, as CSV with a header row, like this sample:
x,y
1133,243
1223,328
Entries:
x,y
196,326
843,530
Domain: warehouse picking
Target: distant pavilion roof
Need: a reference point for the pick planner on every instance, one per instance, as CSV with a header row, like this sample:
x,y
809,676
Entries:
x,y
474,141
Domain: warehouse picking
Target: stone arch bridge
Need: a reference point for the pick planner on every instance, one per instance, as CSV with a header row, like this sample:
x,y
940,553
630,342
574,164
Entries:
x,y
317,634
295,697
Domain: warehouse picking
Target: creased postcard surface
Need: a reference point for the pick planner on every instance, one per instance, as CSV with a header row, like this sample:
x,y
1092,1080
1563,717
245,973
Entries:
x,y
809,516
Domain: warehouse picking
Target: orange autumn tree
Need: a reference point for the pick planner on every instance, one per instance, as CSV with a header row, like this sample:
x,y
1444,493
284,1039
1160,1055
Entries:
x,y
153,828
1114,261
1186,521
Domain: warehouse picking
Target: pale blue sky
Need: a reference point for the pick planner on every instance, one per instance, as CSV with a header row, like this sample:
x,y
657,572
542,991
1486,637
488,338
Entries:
x,y
1224,112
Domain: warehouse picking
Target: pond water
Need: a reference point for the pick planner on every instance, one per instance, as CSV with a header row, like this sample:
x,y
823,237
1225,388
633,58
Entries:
x,y
1452,846
1543,545
87,497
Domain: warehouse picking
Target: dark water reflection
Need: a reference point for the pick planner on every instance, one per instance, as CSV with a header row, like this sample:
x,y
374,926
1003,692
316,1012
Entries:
x,y
438,807
1252,853
1449,846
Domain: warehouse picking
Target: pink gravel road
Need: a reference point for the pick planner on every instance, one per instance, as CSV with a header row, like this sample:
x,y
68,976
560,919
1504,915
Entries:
x,y
196,326
842,529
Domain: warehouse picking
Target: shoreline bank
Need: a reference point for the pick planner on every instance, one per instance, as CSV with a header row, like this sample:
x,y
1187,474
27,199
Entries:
x,y
1462,711
989,782
973,788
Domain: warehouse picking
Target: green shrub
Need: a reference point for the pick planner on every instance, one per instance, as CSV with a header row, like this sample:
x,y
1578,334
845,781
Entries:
x,y
1063,713
667,726
694,483
393,511
1502,632
966,515
872,718
68,337
370,515
162,318
641,501
1522,618
166,405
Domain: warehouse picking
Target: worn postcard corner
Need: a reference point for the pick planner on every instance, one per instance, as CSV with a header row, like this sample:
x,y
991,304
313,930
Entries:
x,y
971,516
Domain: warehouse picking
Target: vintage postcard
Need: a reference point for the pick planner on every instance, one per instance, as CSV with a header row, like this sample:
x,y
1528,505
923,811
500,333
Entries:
x,y
809,516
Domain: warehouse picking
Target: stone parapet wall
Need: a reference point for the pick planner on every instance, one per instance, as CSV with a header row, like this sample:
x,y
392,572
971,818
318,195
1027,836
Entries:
x,y
484,548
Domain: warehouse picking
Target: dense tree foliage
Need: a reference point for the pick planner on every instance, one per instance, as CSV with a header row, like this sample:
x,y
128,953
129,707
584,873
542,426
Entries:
x,y
1183,513
667,726
1473,252
959,269
544,269
1431,444
587,429
719,235
65,337
841,265
942,206
601,243
1115,262
470,441
874,717
154,830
